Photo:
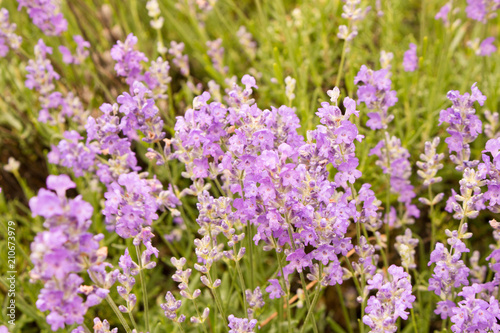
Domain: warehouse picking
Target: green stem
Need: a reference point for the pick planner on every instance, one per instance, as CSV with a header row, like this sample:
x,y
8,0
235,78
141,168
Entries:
x,y
240,275
144,289
344,309
113,306
302,279
218,303
311,308
284,287
250,253
342,58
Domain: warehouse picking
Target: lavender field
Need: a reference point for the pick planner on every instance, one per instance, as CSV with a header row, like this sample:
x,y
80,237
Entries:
x,y
281,166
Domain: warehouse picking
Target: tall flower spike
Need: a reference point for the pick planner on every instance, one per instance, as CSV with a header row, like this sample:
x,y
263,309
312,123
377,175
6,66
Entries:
x,y
374,89
62,251
46,14
464,125
8,39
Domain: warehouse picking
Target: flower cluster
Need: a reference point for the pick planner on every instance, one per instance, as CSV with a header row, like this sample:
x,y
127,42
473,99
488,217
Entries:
x,y
81,52
394,161
8,39
464,125
450,272
393,297
410,60
40,77
46,14
65,249
374,89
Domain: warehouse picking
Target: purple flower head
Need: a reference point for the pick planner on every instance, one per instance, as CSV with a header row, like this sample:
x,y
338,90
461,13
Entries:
x,y
410,60
443,14
274,289
81,52
374,89
8,39
45,14
241,325
58,254
482,10
487,48
391,301
464,125
128,60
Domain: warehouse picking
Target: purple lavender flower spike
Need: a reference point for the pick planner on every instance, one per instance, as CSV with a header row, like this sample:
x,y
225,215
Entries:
x,y
487,48
65,249
46,14
128,61
410,60
241,325
8,39
464,125
393,298
374,89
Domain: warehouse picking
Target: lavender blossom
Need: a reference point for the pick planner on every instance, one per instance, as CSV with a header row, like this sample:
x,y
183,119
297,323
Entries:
x,y
410,61
62,251
482,10
8,39
376,94
46,14
393,297
128,60
241,325
216,54
464,125
81,52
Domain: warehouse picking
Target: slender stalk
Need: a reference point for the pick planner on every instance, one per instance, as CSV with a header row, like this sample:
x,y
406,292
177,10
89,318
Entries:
x,y
218,303
289,314
113,306
342,58
144,289
302,279
242,280
313,305
133,320
250,253
344,309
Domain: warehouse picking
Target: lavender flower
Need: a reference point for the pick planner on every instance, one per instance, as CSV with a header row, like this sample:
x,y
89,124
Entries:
x,y
64,250
487,48
393,159
103,326
444,13
376,94
216,54
8,39
482,10
171,307
464,126
410,61
474,313
405,245
450,272
392,299
246,40
180,60
81,51
128,60
430,163
239,325
46,14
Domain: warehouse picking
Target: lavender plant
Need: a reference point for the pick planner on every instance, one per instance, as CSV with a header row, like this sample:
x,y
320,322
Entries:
x,y
215,166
